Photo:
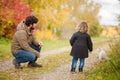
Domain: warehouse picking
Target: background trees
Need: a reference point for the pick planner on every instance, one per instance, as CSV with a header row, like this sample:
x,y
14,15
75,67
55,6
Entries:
x,y
11,13
56,17
82,10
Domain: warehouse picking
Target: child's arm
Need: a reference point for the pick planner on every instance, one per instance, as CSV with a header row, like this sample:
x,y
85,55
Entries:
x,y
72,40
90,44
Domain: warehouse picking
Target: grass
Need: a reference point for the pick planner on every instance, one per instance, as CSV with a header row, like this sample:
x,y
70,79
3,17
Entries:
x,y
5,52
109,70
104,71
100,38
5,48
50,45
50,63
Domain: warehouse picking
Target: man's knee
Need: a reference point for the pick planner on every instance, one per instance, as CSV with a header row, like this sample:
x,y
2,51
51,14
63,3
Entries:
x,y
32,57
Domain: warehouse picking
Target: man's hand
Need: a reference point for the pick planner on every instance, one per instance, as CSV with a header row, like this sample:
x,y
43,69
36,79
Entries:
x,y
40,44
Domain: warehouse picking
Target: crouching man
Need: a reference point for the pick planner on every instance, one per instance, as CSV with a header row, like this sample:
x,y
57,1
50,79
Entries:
x,y
24,46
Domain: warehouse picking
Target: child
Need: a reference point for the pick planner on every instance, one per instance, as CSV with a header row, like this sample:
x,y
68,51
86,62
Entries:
x,y
81,43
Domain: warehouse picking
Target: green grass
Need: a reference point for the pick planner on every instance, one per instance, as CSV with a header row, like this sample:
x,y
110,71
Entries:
x,y
50,63
5,48
50,45
5,52
100,38
104,71
108,70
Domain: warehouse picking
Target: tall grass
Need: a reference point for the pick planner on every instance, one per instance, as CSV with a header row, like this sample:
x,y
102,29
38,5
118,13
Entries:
x,y
109,70
115,58
5,48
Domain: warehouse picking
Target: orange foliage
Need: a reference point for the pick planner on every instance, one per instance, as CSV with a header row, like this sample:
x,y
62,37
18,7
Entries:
x,y
11,13
46,34
109,31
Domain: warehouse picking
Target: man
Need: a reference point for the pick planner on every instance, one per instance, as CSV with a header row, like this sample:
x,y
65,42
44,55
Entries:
x,y
24,46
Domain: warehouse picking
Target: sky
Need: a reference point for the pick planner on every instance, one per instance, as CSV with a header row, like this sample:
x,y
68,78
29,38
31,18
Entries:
x,y
109,11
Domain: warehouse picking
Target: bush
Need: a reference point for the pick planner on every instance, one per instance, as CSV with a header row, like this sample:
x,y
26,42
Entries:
x,y
95,30
11,13
110,70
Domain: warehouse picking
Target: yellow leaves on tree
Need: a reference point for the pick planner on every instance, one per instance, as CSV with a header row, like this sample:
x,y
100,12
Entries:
x,y
50,12
64,13
110,32
45,34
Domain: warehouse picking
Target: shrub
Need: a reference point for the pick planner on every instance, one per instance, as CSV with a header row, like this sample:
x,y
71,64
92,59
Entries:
x,y
95,30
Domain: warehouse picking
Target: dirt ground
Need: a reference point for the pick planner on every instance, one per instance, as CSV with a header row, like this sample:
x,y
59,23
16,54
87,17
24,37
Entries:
x,y
63,72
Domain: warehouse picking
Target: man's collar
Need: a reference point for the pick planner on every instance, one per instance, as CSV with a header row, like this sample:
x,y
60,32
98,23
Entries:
x,y
29,33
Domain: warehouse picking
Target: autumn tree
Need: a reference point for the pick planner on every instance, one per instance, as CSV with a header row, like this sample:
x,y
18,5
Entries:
x,y
11,13
49,12
53,15
82,10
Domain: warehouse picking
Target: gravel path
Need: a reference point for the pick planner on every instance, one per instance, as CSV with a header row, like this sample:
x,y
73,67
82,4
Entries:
x,y
7,64
63,72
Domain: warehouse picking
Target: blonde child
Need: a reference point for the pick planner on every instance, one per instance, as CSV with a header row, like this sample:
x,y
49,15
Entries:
x,y
81,43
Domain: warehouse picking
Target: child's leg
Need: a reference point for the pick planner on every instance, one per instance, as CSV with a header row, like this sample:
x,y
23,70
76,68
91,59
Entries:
x,y
74,62
82,62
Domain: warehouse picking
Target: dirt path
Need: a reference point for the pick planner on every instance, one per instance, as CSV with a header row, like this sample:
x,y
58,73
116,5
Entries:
x,y
63,72
7,64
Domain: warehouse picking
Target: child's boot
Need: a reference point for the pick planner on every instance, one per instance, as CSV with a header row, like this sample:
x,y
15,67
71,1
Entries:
x,y
80,69
73,70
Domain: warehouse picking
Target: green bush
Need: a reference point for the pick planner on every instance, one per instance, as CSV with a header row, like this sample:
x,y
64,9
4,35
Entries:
x,y
95,30
109,70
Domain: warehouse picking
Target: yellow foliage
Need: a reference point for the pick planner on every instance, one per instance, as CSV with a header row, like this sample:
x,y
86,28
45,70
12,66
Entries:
x,y
109,32
84,11
52,16
50,12
118,30
99,77
46,34
62,16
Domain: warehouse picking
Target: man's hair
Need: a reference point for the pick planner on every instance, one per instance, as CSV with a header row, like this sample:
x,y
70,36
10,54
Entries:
x,y
30,20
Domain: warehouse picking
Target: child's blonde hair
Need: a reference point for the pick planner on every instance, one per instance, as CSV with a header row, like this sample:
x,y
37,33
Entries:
x,y
82,27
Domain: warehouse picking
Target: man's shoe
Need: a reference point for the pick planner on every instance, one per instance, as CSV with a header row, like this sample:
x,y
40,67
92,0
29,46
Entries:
x,y
16,65
34,65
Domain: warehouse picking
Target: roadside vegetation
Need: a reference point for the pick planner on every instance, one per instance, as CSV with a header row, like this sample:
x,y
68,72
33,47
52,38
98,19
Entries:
x,y
50,64
107,70
5,52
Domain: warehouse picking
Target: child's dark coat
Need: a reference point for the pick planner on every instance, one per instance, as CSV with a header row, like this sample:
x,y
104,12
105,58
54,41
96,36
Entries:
x,y
81,43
